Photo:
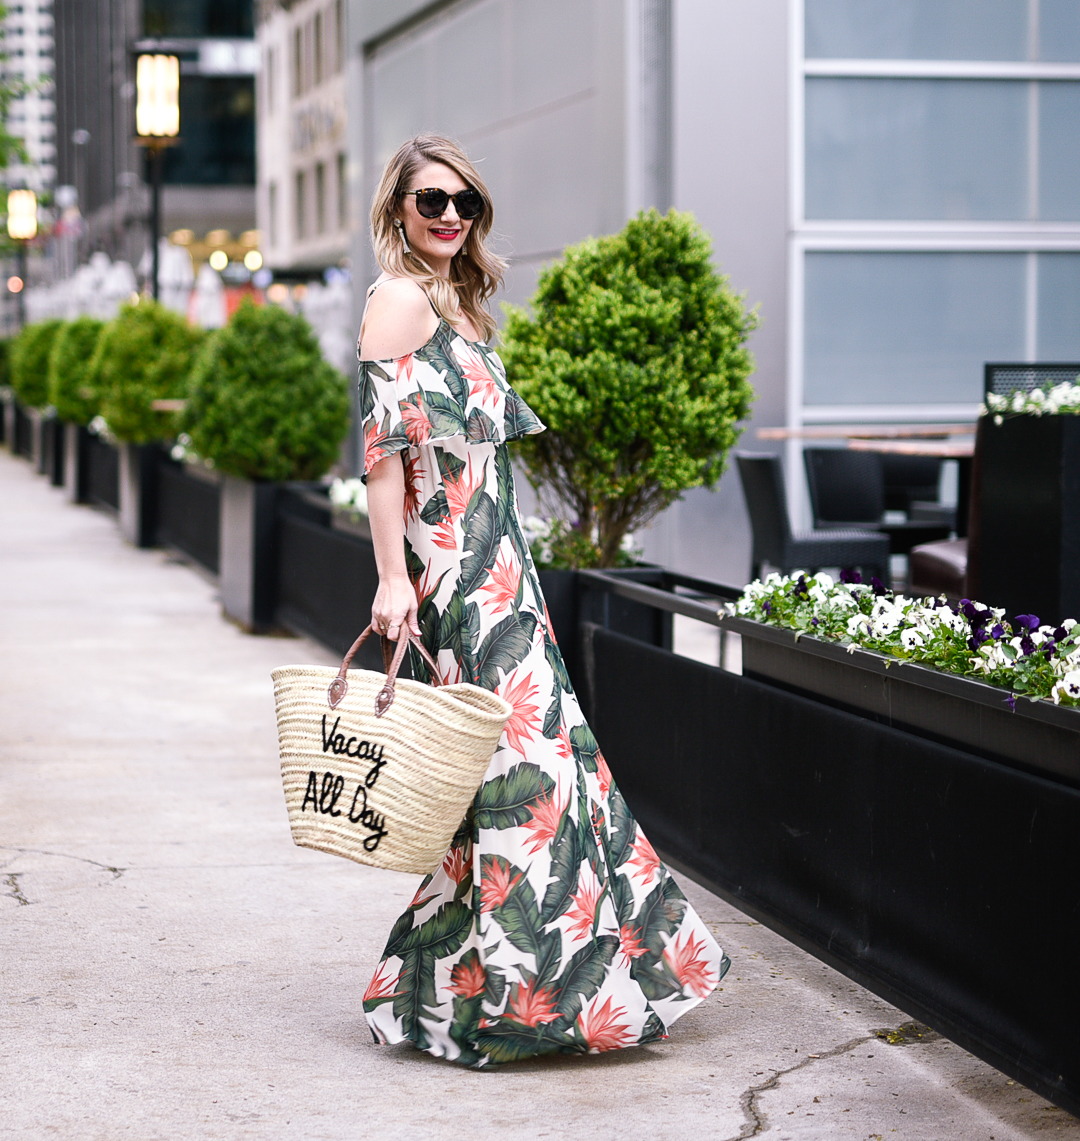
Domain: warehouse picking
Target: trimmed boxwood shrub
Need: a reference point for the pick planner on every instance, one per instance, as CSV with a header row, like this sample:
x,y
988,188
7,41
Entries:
x,y
144,355
73,385
263,403
635,358
30,362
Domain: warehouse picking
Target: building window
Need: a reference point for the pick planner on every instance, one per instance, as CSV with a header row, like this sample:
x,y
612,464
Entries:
x,y
273,212
320,198
886,327
298,62
301,205
268,80
936,218
342,193
339,35
317,48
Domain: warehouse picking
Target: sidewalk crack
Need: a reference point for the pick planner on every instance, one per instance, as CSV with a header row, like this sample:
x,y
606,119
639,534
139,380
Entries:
x,y
12,882
756,1119
117,872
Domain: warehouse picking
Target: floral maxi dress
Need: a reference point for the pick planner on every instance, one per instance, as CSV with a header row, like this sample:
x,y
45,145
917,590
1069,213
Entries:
x,y
551,926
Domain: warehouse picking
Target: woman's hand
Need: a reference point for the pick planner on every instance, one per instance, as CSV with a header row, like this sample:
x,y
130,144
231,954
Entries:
x,y
394,609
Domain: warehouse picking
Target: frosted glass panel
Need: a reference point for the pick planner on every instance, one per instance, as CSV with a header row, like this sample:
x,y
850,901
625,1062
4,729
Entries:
x,y
918,29
1059,30
1059,151
1059,307
916,149
909,328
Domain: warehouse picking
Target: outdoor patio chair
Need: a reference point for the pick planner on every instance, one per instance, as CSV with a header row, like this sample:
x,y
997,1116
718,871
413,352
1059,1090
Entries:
x,y
774,544
911,486
847,489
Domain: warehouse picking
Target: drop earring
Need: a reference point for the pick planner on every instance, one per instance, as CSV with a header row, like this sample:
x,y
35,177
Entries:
x,y
401,234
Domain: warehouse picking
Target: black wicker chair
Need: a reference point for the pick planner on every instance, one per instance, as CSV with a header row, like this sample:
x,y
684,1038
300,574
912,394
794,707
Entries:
x,y
774,544
847,489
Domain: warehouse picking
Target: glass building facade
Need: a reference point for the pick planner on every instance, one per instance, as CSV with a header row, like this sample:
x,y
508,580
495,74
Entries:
x,y
935,200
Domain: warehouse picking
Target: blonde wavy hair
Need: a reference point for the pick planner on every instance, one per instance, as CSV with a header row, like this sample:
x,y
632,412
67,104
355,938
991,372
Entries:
x,y
475,272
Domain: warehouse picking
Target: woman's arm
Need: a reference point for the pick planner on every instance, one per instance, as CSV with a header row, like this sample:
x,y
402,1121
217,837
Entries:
x,y
394,608
398,320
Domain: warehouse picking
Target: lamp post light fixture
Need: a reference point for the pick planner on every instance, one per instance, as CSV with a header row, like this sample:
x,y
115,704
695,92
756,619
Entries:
x,y
157,126
22,228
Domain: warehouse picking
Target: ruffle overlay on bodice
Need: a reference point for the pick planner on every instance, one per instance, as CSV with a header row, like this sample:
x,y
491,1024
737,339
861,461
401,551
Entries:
x,y
449,388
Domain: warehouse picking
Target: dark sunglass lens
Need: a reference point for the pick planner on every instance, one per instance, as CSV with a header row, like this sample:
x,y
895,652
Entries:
x,y
431,203
469,203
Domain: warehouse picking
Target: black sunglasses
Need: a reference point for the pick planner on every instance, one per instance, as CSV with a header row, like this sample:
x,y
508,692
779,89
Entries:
x,y
432,202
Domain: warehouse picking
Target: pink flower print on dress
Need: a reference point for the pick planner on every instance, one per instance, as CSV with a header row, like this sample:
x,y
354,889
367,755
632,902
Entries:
x,y
601,1027
582,915
468,978
630,944
503,581
495,882
547,813
481,383
645,861
416,422
382,986
531,1007
695,973
525,720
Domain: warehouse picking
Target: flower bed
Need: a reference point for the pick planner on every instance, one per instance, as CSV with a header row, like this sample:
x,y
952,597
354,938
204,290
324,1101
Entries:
x,y
970,640
1062,399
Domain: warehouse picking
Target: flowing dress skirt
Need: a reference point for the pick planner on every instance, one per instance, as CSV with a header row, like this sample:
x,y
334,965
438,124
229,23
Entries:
x,y
551,926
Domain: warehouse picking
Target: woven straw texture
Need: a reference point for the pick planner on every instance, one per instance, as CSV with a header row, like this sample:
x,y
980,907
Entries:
x,y
388,791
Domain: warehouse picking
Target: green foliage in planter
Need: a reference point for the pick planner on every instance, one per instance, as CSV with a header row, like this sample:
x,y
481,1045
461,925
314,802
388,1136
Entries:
x,y
635,358
73,387
144,355
30,362
264,404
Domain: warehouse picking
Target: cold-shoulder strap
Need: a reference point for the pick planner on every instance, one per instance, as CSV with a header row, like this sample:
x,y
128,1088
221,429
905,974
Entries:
x,y
371,289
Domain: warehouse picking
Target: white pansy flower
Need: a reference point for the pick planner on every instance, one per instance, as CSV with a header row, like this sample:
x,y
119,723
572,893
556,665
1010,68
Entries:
x,y
1068,687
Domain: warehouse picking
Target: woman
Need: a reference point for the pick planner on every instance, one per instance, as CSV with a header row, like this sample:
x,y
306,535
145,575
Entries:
x,y
551,926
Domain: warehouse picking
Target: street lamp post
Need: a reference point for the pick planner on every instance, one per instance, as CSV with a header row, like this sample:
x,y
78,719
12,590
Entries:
x,y
157,126
22,228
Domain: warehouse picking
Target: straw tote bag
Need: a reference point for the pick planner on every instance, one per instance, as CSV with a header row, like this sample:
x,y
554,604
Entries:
x,y
381,770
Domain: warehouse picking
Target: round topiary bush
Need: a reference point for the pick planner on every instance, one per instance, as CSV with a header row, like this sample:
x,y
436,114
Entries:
x,y
30,362
142,356
73,387
263,402
635,359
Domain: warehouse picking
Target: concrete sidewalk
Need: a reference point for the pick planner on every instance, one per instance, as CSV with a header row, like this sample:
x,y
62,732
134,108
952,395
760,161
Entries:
x,y
174,968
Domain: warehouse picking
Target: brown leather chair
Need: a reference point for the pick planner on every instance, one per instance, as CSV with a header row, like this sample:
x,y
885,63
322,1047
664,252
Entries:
x,y
951,567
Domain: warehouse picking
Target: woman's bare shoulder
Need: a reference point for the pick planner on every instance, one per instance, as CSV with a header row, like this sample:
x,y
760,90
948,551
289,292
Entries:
x,y
398,321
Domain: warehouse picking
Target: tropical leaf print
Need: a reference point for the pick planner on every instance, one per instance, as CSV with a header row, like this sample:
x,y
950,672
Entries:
x,y
551,926
509,800
481,543
506,644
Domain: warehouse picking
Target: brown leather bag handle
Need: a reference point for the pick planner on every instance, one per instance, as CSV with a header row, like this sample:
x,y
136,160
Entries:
x,y
385,697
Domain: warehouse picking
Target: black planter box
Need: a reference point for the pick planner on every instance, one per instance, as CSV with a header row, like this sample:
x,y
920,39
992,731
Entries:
x,y
326,575
102,473
967,714
189,512
947,882
138,492
1029,516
